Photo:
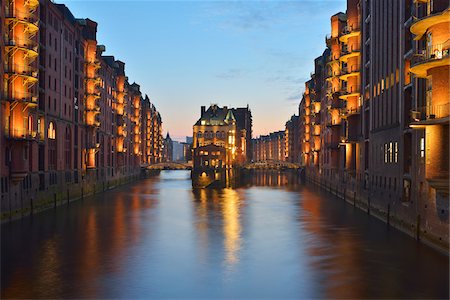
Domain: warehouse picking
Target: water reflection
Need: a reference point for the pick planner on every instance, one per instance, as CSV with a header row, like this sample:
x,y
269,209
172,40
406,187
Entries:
x,y
271,237
226,204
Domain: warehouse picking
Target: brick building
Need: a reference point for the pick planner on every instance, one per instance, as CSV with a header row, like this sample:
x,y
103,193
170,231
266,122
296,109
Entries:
x,y
230,128
380,95
68,112
270,147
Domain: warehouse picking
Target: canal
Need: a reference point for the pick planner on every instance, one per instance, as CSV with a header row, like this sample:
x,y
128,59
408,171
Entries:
x,y
269,238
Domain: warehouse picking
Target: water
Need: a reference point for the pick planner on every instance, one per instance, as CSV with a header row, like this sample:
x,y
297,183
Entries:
x,y
158,238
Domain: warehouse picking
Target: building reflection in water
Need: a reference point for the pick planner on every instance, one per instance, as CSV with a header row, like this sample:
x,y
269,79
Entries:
x,y
224,204
271,178
96,233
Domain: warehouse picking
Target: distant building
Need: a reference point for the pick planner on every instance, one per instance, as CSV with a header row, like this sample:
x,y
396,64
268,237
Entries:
x,y
167,148
177,151
269,147
292,146
230,129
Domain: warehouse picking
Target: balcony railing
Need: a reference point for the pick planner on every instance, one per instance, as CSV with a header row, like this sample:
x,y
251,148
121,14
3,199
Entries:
x,y
430,112
349,90
22,70
21,15
350,111
351,69
21,134
30,97
23,43
349,29
435,52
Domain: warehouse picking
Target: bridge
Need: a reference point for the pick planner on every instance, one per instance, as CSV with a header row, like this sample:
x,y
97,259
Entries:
x,y
271,164
168,166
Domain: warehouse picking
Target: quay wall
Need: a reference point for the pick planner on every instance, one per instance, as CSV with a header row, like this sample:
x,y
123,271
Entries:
x,y
28,197
415,219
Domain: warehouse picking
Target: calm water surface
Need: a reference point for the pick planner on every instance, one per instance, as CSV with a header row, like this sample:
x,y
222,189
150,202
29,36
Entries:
x,y
268,239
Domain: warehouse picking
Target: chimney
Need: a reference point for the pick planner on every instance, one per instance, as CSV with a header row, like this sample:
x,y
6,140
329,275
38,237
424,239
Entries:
x,y
203,111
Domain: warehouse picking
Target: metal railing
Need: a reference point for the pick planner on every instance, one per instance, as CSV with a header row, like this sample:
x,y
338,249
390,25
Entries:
x,y
23,133
22,96
434,52
22,15
21,42
351,69
349,29
21,69
430,112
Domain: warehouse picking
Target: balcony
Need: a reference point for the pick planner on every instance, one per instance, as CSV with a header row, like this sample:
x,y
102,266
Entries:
x,y
333,75
332,59
430,115
346,54
348,32
95,64
332,145
30,98
435,56
346,112
30,73
29,20
20,134
349,92
349,139
329,39
29,46
349,72
422,24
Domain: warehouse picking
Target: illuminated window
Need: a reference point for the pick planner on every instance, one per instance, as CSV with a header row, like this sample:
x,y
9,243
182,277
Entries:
x,y
422,147
51,131
385,153
390,152
396,152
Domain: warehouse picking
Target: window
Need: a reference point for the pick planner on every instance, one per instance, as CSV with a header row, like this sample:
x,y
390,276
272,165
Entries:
x,y
67,147
51,146
422,147
396,152
386,153
390,152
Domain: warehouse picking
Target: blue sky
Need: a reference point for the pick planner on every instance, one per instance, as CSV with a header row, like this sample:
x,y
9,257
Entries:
x,y
186,54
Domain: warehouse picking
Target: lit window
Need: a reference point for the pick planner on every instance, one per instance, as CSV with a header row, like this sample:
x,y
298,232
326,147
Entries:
x,y
51,131
396,152
422,147
390,152
385,153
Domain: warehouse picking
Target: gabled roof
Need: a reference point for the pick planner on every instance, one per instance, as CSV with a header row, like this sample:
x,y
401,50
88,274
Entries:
x,y
216,115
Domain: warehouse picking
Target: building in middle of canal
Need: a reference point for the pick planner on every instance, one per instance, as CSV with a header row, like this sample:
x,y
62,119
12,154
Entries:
x,y
228,131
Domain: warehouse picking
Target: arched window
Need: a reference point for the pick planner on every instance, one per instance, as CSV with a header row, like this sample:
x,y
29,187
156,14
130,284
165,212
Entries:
x,y
51,132
52,153
30,124
67,147
199,134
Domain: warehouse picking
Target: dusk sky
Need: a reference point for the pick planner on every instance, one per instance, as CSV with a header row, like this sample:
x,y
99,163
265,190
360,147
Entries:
x,y
188,54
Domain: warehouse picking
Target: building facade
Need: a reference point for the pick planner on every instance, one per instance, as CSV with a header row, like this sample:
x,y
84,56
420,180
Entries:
x,y
270,147
374,116
227,128
72,123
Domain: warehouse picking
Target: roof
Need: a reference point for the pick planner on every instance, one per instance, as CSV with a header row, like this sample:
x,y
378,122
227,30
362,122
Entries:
x,y
216,115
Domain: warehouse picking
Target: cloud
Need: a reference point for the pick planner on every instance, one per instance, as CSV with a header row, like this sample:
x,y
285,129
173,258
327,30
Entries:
x,y
265,15
230,74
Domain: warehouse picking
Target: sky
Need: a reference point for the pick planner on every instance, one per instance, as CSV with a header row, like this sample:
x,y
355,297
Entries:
x,y
185,54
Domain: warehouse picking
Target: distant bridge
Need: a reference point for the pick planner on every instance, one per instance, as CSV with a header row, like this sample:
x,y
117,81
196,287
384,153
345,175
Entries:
x,y
271,164
168,166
